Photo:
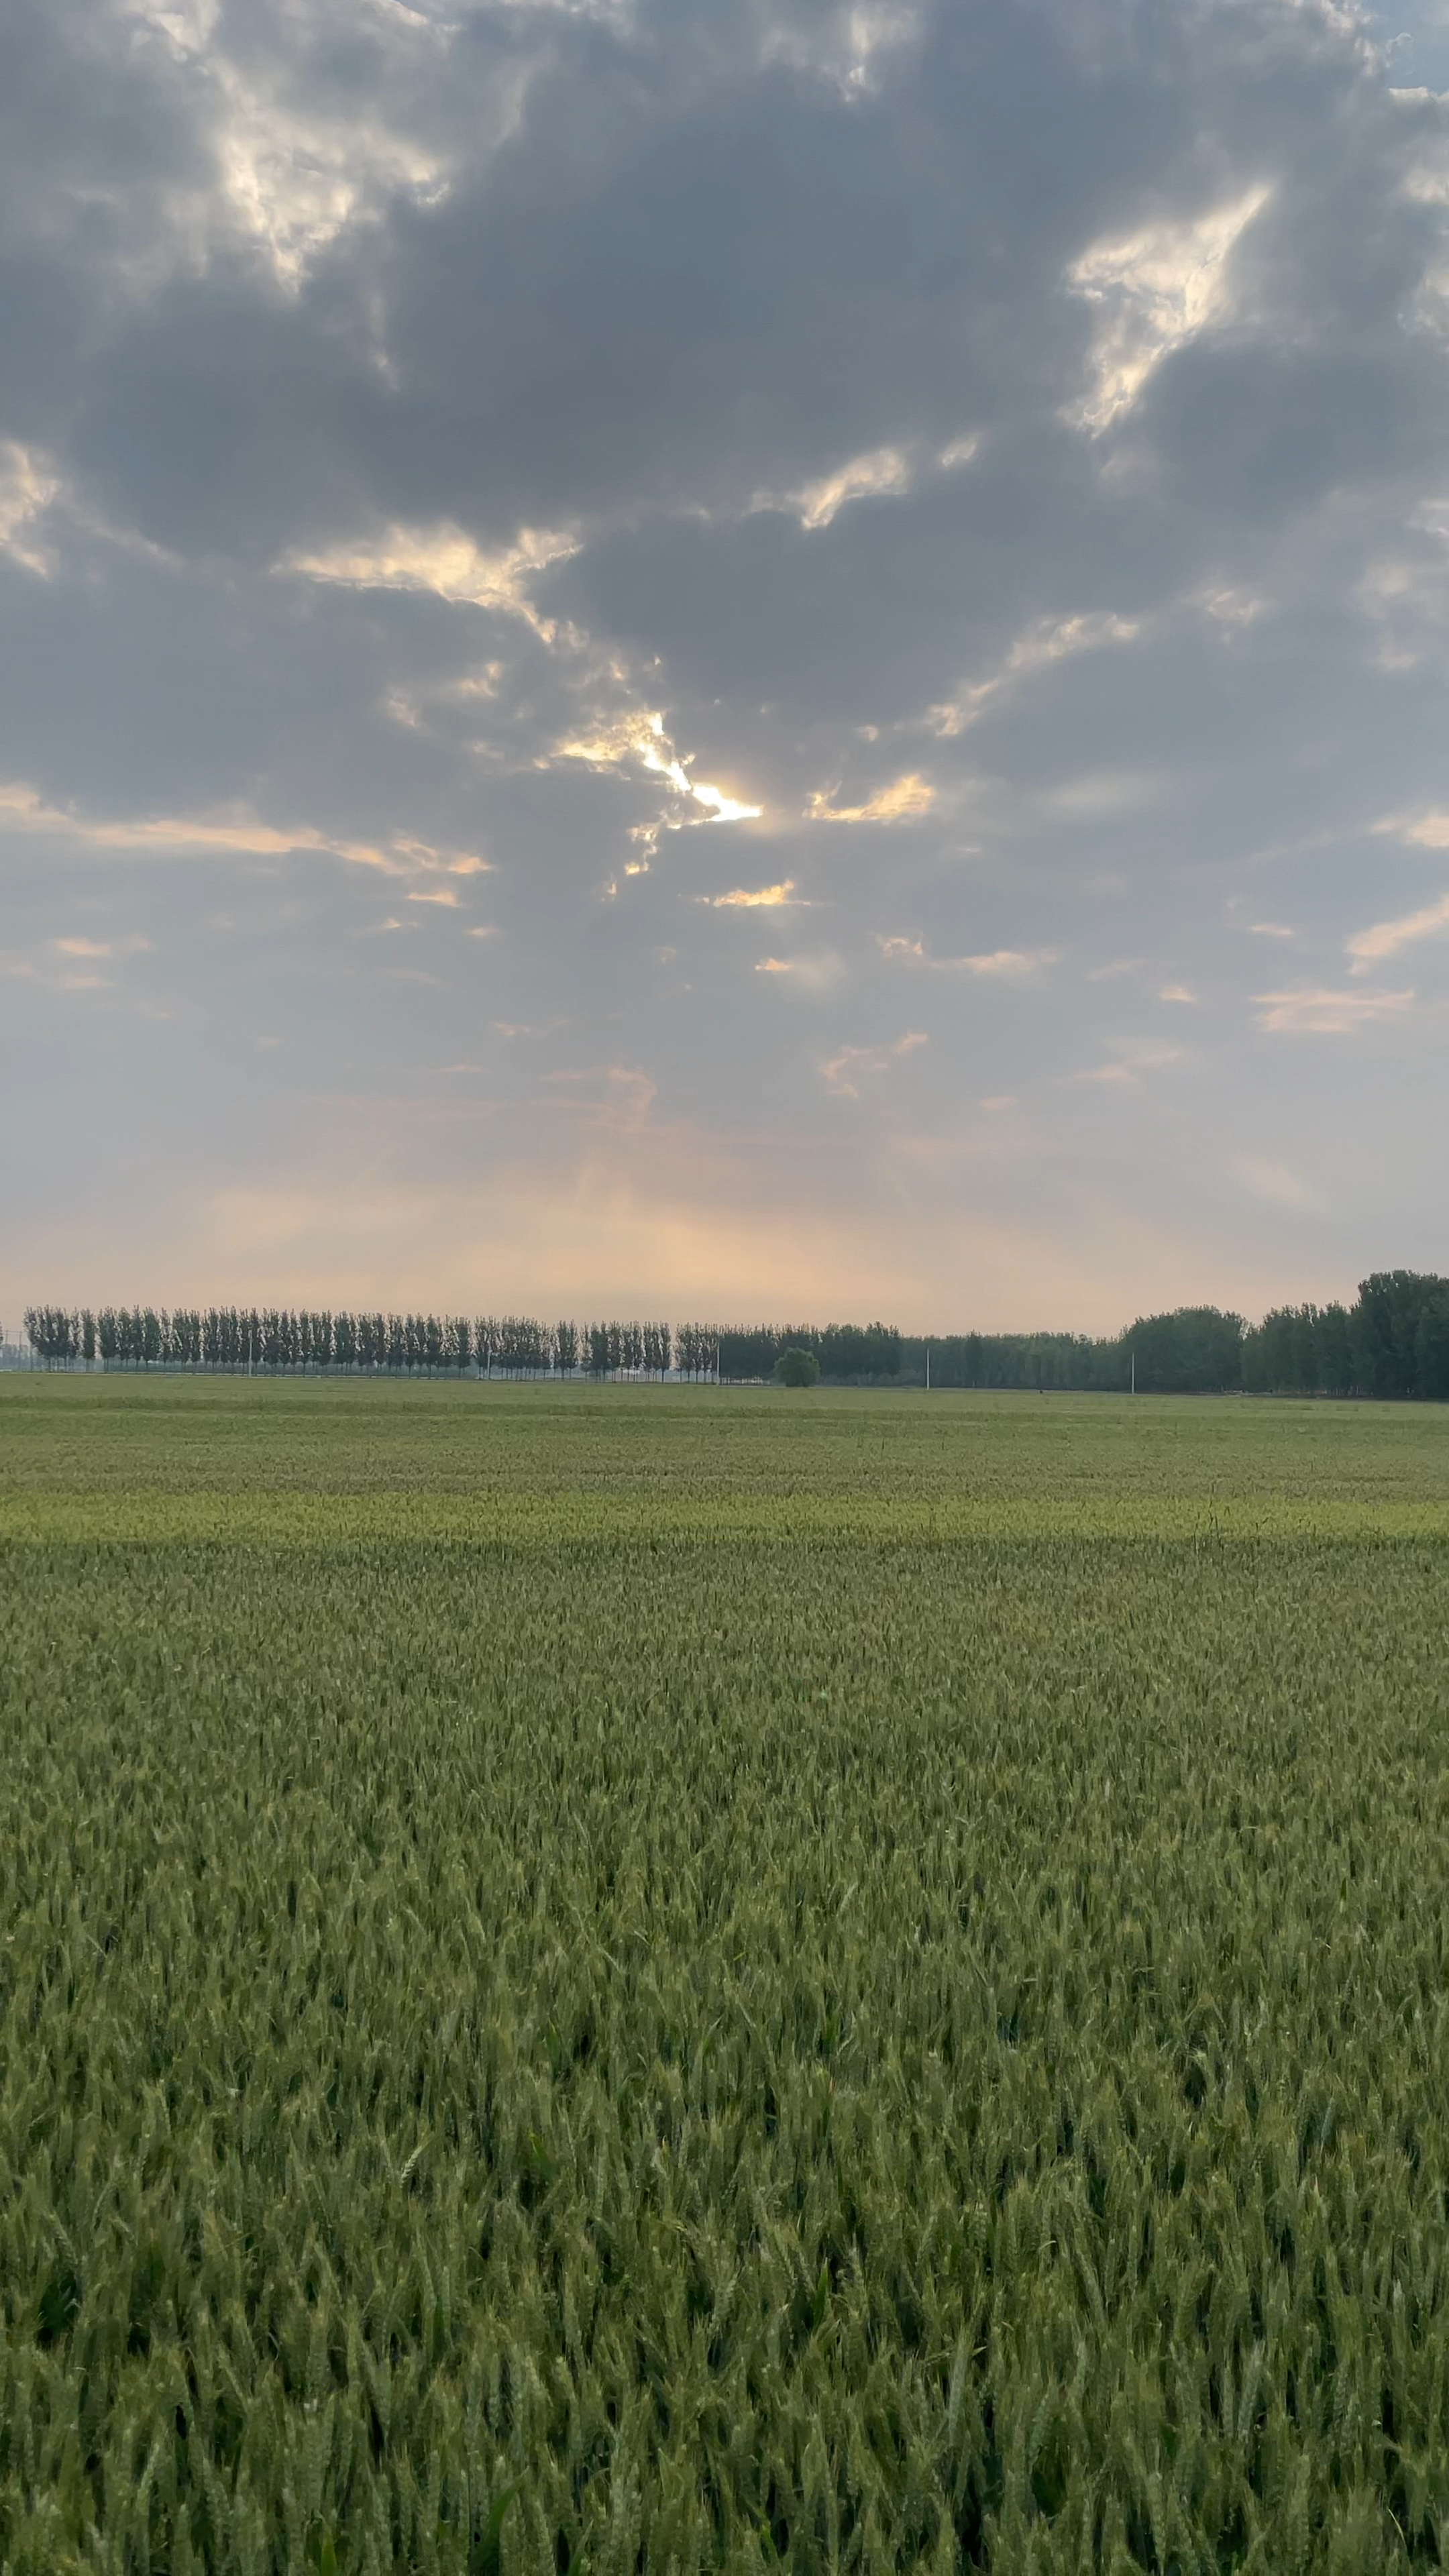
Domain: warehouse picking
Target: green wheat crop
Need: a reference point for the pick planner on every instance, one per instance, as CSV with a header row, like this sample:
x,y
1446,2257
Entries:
x,y
672,1980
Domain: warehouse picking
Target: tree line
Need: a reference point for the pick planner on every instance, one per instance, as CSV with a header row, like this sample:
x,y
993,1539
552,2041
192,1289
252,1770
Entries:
x,y
278,1338
1392,1342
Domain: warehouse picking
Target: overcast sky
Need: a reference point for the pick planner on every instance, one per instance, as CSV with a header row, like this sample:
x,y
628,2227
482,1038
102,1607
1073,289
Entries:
x,y
742,657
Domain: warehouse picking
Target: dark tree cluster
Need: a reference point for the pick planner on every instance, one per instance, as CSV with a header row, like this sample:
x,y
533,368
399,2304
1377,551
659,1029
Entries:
x,y
1393,1341
848,1354
1198,1350
1070,1362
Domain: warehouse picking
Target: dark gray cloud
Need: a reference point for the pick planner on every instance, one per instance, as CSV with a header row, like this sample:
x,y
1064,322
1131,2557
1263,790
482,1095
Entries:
x,y
730,653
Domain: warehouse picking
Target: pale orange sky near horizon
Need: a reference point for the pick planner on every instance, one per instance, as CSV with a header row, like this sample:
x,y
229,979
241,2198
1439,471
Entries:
x,y
631,1231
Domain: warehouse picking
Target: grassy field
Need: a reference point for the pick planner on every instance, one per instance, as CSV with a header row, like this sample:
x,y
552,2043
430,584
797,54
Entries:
x,y
668,1979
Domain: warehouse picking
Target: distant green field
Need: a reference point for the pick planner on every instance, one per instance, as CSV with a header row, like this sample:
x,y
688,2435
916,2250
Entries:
x,y
685,1979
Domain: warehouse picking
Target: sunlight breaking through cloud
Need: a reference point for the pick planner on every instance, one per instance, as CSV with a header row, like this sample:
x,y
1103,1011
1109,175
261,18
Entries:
x,y
643,740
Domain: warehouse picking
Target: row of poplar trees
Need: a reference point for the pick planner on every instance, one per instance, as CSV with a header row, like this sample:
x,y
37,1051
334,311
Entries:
x,y
285,1338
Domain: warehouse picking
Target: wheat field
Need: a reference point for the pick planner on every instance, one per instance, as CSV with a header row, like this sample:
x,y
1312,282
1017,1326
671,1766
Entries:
x,y
678,1980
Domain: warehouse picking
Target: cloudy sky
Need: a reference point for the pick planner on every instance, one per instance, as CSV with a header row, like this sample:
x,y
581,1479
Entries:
x,y
743,656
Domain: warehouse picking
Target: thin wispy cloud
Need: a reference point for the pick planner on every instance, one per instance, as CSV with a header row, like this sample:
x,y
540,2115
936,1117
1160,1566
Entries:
x,y
1427,829
1132,1058
238,834
130,945
1012,964
1321,1012
851,1065
29,484
1276,1185
1046,642
1386,938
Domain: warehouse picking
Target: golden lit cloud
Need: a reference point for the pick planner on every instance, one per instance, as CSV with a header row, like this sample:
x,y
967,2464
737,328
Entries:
x,y
815,973
233,831
883,473
722,808
753,898
444,560
886,470
641,738
1154,290
287,179
904,801
451,863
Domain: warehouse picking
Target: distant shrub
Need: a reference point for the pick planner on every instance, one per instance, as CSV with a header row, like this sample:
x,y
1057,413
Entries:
x,y
797,1368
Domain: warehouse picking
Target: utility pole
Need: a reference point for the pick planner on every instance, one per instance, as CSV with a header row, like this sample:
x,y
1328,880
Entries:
x,y
928,1368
